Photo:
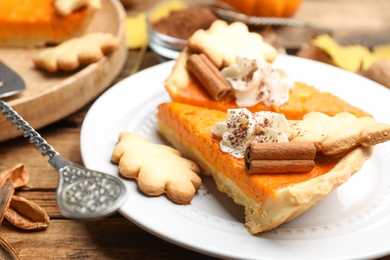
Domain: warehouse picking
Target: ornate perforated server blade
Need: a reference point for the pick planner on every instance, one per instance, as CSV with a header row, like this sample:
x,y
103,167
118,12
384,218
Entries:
x,y
81,193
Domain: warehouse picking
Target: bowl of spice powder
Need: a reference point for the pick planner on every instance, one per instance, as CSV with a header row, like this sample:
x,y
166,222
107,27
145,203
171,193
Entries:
x,y
171,23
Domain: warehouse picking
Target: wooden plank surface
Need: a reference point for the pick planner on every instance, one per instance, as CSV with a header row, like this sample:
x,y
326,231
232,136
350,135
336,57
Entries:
x,y
112,238
116,237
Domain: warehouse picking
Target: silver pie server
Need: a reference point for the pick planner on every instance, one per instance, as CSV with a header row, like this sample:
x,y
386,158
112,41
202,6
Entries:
x,y
10,82
81,193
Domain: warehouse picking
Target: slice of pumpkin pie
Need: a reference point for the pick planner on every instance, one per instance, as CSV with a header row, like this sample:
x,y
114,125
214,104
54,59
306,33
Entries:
x,y
38,22
219,142
229,56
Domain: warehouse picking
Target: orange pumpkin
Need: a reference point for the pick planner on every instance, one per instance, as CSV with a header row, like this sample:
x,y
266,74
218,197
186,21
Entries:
x,y
266,8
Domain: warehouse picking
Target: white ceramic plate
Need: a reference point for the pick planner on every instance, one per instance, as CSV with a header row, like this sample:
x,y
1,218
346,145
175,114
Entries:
x,y
352,222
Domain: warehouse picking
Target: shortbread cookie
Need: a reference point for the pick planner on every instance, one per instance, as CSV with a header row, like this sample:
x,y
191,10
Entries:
x,y
339,133
73,53
222,43
158,168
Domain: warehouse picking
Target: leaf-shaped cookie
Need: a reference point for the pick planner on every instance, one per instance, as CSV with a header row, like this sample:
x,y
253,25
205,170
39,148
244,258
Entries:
x,y
339,133
223,42
158,168
75,52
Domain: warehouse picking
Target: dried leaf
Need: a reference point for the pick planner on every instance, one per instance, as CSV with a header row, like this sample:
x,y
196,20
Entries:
x,y
18,174
347,57
352,57
309,51
6,192
378,54
136,32
379,72
27,215
6,251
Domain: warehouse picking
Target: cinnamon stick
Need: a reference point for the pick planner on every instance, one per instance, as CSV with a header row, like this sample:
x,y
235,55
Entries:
x,y
279,166
280,157
281,151
209,76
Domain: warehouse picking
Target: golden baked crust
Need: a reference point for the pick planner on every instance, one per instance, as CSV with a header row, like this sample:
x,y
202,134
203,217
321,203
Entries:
x,y
291,201
267,209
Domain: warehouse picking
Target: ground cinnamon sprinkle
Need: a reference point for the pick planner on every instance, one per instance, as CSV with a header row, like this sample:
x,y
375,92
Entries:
x,y
183,23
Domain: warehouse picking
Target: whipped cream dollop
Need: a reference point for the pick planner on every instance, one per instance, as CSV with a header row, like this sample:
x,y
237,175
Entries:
x,y
256,81
244,127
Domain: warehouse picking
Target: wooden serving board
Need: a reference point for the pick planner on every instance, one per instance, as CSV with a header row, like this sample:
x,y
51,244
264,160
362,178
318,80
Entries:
x,y
50,97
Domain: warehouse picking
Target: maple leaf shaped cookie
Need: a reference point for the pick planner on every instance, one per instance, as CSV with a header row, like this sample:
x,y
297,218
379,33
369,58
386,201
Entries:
x,y
157,168
75,52
339,133
223,42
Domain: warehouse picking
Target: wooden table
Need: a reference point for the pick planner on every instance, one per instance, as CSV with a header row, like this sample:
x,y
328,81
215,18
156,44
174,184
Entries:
x,y
116,237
